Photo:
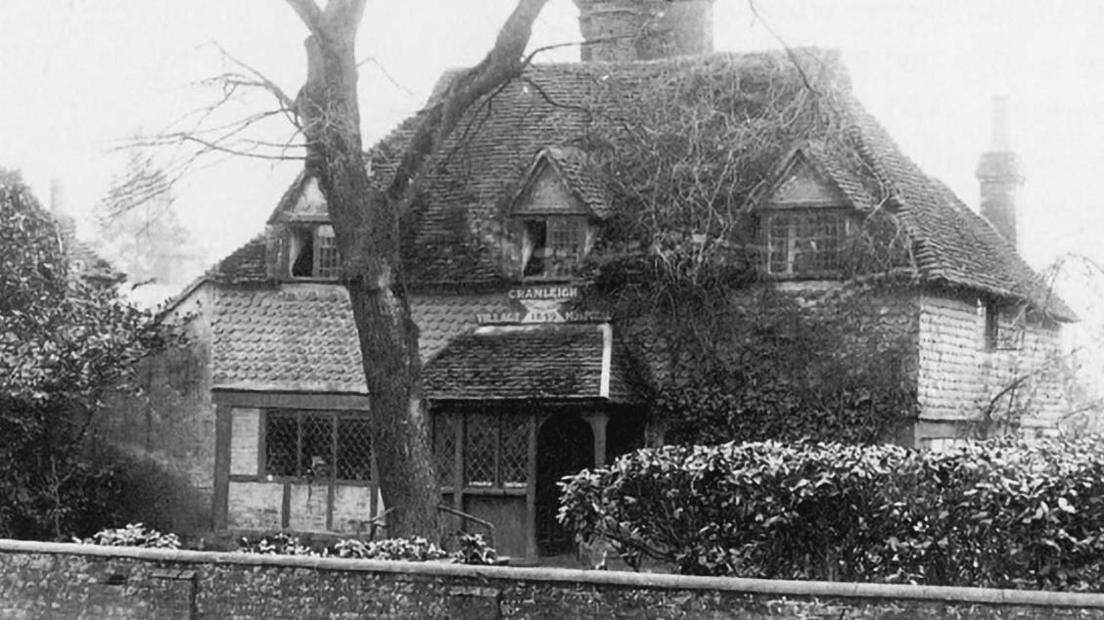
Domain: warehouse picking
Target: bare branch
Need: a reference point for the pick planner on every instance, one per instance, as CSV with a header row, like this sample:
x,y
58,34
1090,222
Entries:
x,y
386,74
308,11
503,63
261,81
789,50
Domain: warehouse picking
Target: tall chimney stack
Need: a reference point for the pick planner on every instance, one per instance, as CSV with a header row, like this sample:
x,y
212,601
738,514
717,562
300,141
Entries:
x,y
629,30
1000,177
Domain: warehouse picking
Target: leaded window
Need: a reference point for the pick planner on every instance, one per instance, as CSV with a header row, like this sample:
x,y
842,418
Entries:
x,y
328,262
554,245
311,444
480,450
495,448
313,253
444,447
354,449
806,242
514,451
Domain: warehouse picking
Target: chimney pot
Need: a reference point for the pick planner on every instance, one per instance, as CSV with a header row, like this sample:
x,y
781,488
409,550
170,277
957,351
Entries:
x,y
999,177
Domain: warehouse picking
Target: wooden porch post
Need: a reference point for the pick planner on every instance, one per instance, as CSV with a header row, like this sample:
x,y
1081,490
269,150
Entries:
x,y
220,505
598,420
531,494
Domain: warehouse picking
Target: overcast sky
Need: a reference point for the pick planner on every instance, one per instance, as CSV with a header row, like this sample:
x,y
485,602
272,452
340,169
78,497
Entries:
x,y
78,75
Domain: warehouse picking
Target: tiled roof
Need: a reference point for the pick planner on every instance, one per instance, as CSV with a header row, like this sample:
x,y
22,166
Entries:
x,y
844,178
293,338
550,361
243,265
552,108
442,318
89,264
953,244
581,178
302,336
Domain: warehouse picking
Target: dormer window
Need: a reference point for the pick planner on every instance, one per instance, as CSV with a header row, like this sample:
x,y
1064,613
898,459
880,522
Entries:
x,y
313,253
806,221
554,217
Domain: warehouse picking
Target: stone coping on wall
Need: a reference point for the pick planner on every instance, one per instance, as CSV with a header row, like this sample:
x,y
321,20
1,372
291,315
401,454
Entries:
x,y
661,581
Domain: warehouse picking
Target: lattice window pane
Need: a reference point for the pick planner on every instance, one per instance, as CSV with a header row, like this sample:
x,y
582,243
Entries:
x,y
316,446
481,439
821,238
805,242
515,450
327,260
444,446
566,237
281,444
354,449
778,242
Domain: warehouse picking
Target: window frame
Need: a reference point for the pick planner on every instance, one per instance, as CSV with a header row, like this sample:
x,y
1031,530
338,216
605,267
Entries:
x,y
334,419
559,261
458,423
325,258
802,219
999,334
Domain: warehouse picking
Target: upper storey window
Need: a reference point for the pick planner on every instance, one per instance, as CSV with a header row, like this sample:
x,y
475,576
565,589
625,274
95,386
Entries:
x,y
313,253
806,243
554,216
805,224
553,245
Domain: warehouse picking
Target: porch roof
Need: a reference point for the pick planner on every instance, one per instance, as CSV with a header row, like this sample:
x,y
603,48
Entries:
x,y
547,361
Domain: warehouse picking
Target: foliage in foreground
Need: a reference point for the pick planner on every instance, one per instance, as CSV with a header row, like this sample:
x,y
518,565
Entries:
x,y
64,344
472,549
133,535
998,514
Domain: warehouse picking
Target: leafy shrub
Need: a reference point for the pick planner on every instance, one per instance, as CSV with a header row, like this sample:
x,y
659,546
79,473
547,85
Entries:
x,y
473,549
415,549
67,342
132,535
276,544
997,514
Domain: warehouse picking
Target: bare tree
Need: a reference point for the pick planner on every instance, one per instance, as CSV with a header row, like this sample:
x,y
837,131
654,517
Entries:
x,y
365,216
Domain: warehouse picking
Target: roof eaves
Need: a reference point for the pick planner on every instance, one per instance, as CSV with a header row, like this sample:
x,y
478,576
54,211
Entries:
x,y
287,200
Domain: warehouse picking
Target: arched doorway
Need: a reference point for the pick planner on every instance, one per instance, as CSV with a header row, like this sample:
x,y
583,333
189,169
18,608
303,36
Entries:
x,y
565,445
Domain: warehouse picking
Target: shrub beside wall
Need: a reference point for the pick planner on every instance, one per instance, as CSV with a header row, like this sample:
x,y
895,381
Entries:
x,y
996,514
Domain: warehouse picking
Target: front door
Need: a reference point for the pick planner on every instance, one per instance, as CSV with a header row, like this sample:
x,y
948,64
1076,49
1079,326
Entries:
x,y
565,445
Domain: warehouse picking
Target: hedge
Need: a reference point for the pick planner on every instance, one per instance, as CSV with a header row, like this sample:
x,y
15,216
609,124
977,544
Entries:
x,y
1004,513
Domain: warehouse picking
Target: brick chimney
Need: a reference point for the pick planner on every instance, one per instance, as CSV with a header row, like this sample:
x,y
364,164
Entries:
x,y
1000,177
627,30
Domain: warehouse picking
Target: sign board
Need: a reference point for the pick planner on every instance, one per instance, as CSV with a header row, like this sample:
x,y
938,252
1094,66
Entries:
x,y
540,304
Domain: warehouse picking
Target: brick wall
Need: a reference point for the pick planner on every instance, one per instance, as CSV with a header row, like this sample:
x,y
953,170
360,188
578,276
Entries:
x,y
52,580
959,373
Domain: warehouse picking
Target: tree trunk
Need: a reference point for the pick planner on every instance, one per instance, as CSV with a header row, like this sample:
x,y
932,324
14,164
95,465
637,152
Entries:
x,y
366,225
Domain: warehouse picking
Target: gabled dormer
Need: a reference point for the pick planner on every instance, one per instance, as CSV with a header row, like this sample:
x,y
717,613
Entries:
x,y
808,216
301,242
554,217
